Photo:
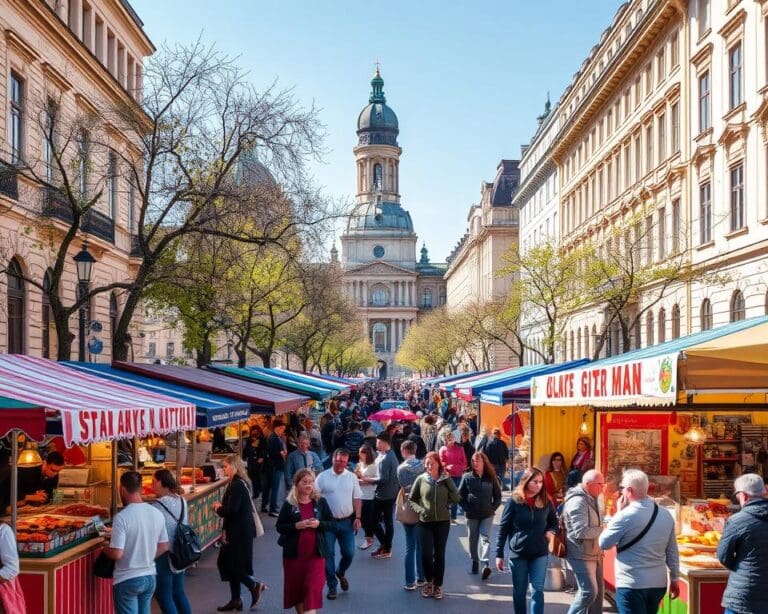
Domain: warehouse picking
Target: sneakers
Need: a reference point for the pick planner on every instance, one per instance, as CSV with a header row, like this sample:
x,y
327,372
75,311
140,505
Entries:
x,y
437,592
367,543
381,553
420,582
343,582
273,514
486,572
331,594
427,591
411,587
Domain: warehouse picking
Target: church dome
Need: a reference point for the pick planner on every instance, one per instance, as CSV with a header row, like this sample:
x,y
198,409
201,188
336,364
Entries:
x,y
384,216
377,122
250,171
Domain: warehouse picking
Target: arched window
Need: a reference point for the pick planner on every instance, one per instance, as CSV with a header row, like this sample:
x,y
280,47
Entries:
x,y
706,314
112,318
578,344
380,296
380,337
738,310
573,347
594,337
46,305
662,325
377,177
676,321
649,329
426,298
586,342
16,299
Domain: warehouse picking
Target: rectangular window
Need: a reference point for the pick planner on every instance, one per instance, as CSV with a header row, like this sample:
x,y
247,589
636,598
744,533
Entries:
x,y
649,239
704,94
131,207
737,197
661,66
627,167
648,80
676,229
151,349
648,148
170,349
112,187
616,115
662,233
702,15
638,93
635,250
49,140
82,162
609,179
734,76
674,126
609,123
16,128
627,103
662,136
674,50
705,212
638,159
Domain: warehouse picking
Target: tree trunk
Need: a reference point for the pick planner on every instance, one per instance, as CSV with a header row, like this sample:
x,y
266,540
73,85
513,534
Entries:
x,y
120,335
64,336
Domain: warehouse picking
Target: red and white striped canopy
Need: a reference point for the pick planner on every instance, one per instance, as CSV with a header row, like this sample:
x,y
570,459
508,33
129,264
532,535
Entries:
x,y
92,408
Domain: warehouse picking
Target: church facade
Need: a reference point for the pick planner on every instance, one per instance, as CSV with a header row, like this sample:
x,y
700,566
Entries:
x,y
380,273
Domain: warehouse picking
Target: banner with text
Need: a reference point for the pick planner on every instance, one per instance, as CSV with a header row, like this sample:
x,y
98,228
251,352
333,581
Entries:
x,y
645,381
86,426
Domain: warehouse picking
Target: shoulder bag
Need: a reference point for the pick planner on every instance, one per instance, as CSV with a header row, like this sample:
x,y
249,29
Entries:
x,y
557,545
403,510
256,518
632,542
186,549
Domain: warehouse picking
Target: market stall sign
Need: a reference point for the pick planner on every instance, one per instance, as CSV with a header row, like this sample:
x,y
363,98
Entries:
x,y
85,426
214,417
646,381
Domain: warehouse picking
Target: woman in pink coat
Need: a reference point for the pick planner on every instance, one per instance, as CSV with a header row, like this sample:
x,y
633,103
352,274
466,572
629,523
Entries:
x,y
454,461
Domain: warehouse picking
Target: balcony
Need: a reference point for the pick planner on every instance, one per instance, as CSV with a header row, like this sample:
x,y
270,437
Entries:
x,y
56,205
9,181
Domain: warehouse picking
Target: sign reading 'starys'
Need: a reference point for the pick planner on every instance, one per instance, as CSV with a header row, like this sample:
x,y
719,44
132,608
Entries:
x,y
646,381
85,426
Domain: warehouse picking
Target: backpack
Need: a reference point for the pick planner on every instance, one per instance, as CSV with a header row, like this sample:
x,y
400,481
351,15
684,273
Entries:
x,y
186,548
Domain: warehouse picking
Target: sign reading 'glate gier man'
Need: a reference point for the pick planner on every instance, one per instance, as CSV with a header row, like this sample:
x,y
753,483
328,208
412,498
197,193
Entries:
x,y
646,381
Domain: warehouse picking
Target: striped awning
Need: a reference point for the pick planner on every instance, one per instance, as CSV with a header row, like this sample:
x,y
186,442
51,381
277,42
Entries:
x,y
308,378
273,381
91,408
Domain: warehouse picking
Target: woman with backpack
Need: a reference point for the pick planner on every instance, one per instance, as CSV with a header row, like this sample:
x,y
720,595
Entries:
x,y
169,592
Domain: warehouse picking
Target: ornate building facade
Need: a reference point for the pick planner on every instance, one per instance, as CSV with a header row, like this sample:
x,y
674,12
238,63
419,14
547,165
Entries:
x,y
381,275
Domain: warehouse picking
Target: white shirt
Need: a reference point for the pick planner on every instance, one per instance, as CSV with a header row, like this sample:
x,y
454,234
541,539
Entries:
x,y
9,554
137,531
339,491
369,490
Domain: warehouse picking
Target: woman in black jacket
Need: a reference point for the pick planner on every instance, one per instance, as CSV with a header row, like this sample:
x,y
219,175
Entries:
x,y
480,496
302,522
235,560
528,522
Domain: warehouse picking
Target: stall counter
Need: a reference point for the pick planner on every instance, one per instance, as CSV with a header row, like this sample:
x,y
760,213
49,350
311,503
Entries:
x,y
201,515
701,590
65,584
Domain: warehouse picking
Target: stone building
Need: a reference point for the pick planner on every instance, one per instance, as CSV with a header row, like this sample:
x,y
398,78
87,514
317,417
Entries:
x,y
381,275
492,229
84,56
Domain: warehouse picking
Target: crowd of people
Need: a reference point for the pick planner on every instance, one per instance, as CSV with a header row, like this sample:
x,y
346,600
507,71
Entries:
x,y
347,474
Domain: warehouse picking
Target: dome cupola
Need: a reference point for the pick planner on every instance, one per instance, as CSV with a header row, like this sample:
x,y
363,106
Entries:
x,y
377,123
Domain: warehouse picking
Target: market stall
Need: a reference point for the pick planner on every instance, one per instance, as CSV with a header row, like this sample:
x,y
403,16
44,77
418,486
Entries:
x,y
309,378
58,541
691,413
200,491
256,375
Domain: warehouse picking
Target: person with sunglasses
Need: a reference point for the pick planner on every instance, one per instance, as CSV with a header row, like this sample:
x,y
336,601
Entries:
x,y
527,524
644,536
743,548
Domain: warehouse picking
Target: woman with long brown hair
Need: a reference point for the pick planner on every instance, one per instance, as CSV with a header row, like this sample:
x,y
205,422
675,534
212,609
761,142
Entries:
x,y
555,477
431,496
367,468
480,493
528,522
235,560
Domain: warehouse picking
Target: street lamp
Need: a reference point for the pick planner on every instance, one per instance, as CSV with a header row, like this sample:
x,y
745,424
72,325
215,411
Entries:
x,y
84,263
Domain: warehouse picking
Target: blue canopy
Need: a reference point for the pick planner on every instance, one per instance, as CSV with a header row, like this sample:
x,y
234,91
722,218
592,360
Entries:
x,y
444,379
212,409
302,378
274,381
473,389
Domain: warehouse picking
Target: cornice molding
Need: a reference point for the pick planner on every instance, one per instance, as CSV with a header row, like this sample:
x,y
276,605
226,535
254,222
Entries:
x,y
18,44
733,24
52,75
705,53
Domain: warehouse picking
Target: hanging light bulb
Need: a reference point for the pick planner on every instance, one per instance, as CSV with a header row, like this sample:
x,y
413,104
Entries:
x,y
29,457
584,426
696,434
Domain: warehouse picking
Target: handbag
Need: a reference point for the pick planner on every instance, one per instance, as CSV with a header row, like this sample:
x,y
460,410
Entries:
x,y
256,518
403,510
557,545
103,566
186,549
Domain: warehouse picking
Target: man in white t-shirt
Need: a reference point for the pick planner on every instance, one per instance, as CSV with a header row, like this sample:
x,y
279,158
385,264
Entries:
x,y
138,537
341,489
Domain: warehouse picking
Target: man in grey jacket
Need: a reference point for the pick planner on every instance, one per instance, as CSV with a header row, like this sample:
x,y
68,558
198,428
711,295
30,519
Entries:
x,y
384,497
644,536
583,526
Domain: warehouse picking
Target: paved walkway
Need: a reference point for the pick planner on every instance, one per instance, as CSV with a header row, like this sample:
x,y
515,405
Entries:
x,y
376,586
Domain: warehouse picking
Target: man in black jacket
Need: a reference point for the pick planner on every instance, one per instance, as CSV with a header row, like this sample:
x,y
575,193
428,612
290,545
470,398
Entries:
x,y
497,452
384,497
277,452
743,548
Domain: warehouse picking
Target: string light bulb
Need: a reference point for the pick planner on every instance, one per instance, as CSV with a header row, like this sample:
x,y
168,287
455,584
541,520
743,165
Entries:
x,y
584,426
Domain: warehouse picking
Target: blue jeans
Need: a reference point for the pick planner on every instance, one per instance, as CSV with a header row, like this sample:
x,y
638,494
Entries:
x,y
480,531
589,580
639,600
523,572
134,596
413,566
455,506
169,593
342,532
277,480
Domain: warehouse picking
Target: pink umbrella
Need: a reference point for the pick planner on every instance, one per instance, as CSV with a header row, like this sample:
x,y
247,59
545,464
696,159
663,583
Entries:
x,y
393,414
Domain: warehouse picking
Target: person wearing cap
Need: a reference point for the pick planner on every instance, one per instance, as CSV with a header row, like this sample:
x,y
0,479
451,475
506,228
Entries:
x,y
743,548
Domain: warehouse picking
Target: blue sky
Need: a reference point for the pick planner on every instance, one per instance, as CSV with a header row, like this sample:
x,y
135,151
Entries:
x,y
466,79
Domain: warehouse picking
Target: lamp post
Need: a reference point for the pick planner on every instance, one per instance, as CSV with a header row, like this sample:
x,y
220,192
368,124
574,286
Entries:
x,y
84,263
